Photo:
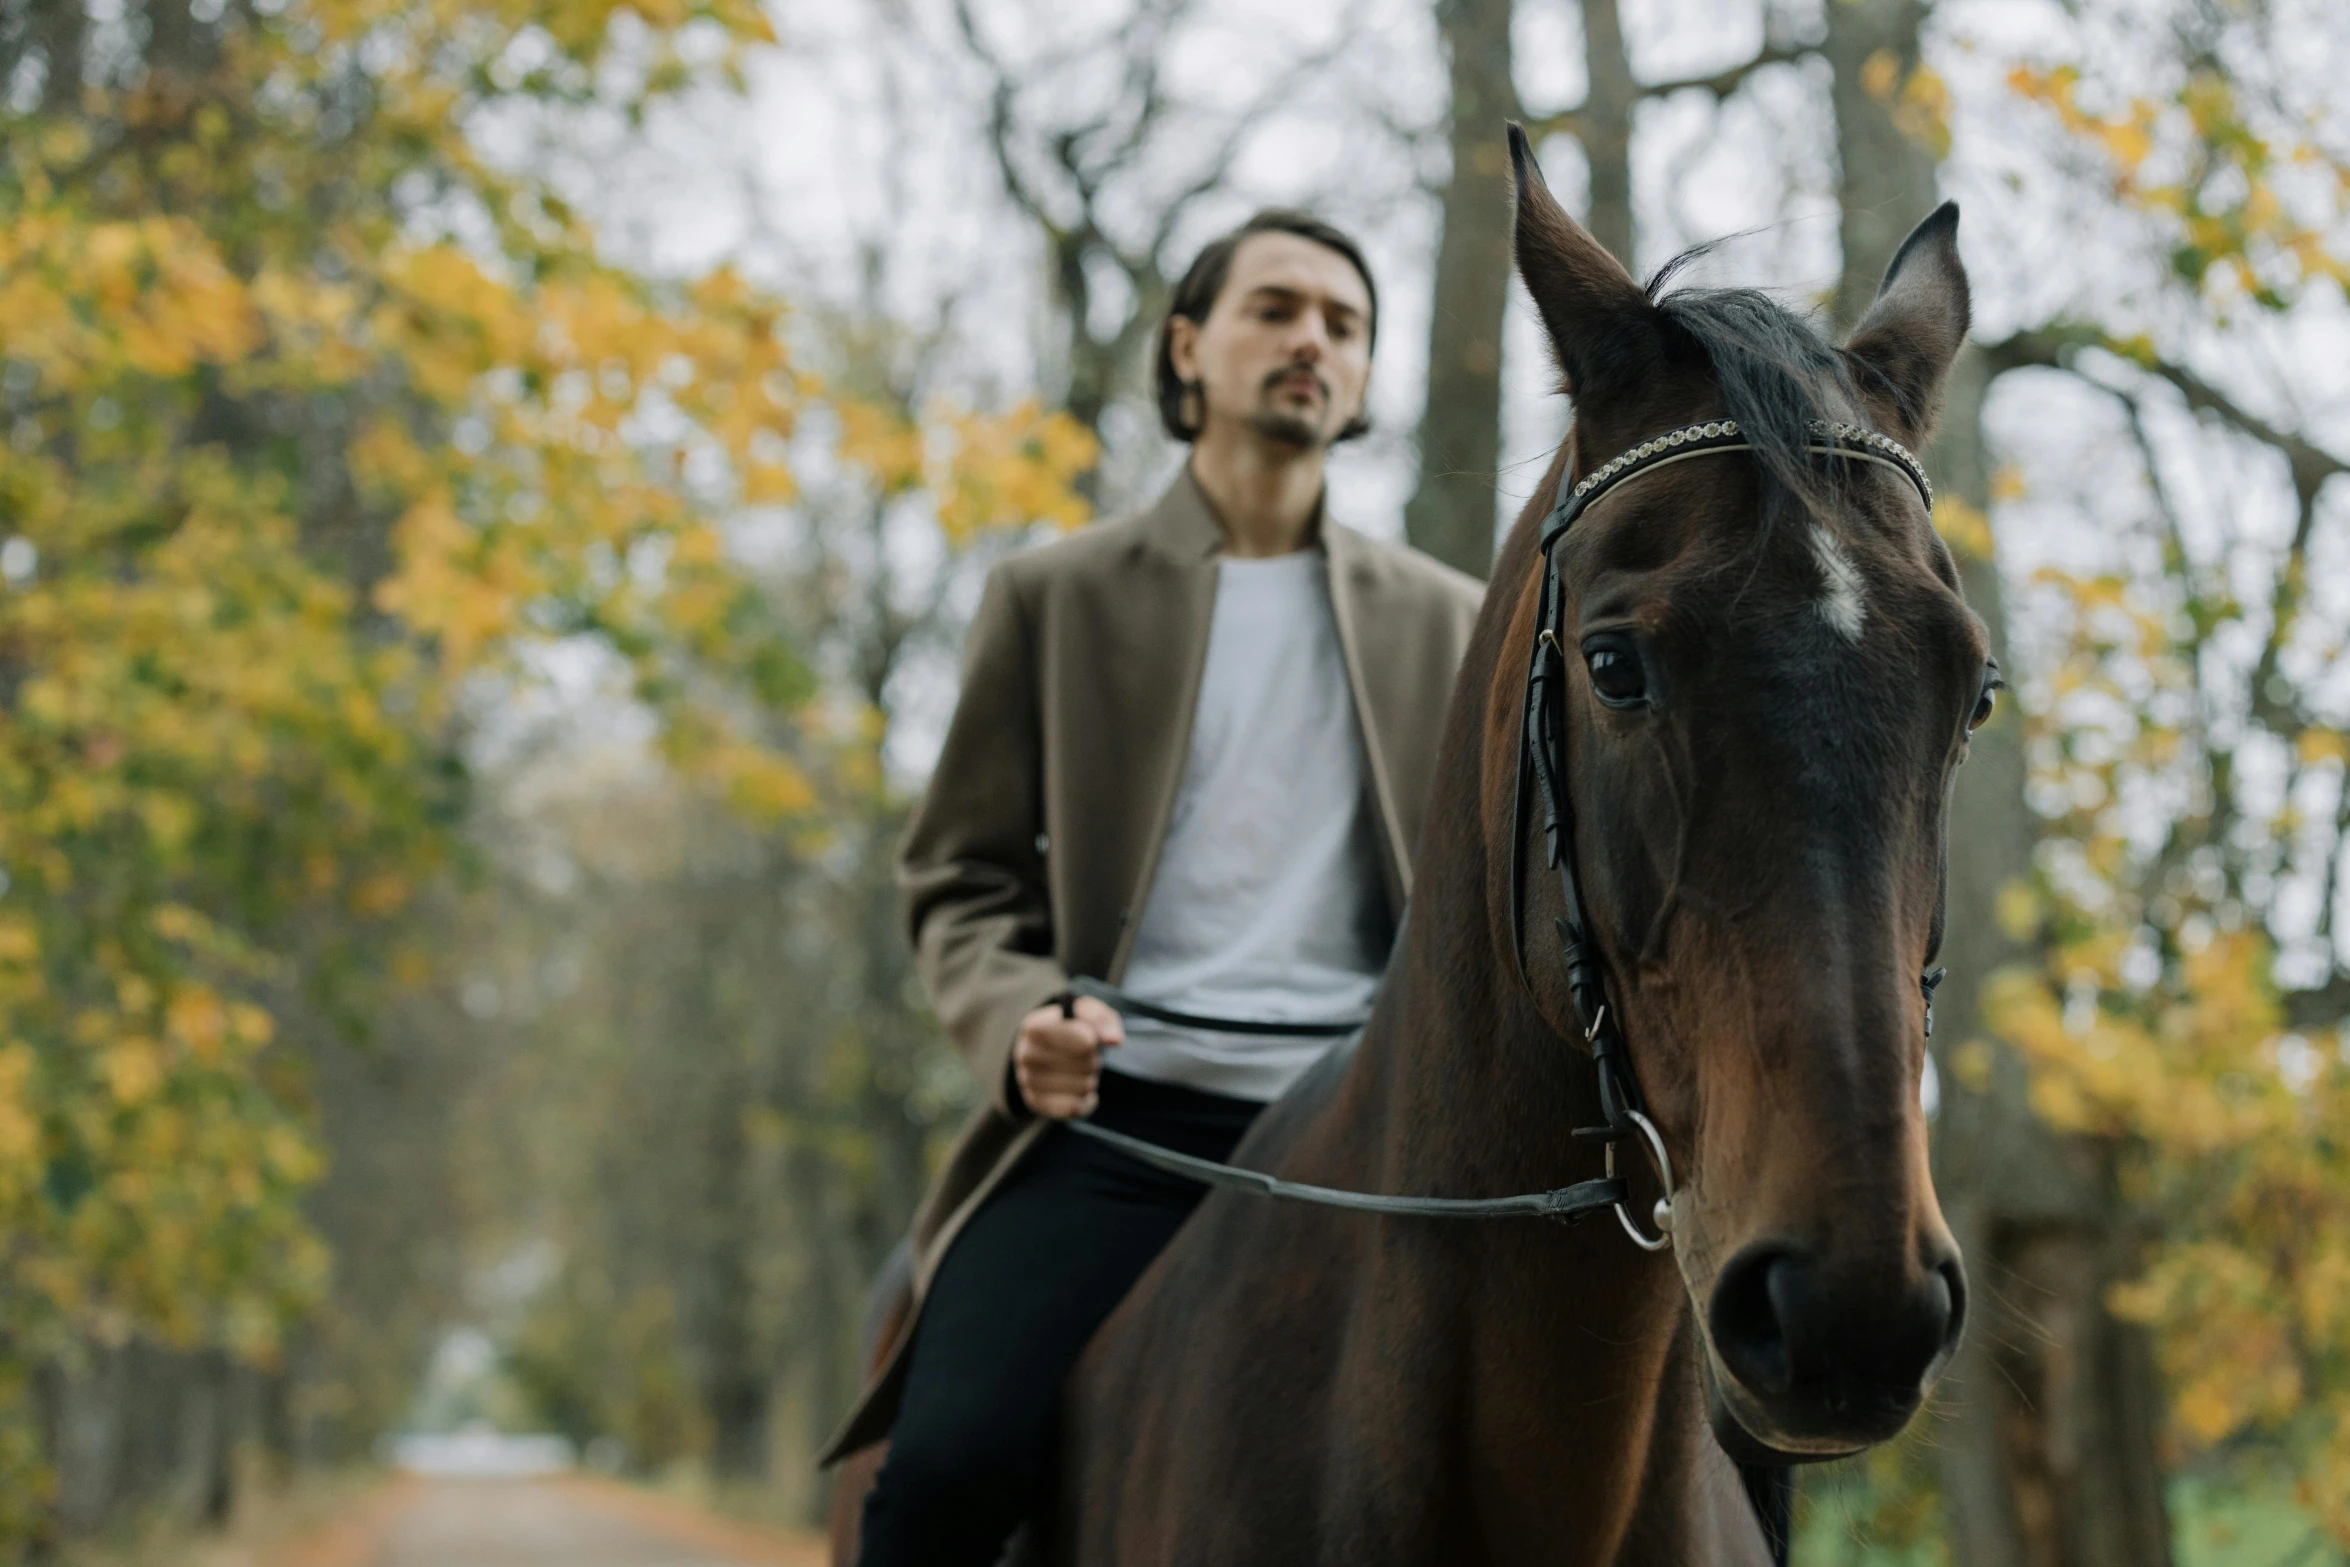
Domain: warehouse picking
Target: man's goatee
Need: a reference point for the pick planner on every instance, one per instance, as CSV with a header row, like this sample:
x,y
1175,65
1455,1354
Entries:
x,y
1288,429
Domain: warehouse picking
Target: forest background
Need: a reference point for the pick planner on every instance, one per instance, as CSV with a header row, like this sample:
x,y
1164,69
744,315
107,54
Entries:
x,y
490,492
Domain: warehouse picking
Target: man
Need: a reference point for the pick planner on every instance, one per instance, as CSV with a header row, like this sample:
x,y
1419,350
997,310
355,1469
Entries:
x,y
1189,759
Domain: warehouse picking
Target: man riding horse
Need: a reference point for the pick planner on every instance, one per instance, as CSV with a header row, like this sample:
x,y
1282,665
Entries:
x,y
1677,895
1190,758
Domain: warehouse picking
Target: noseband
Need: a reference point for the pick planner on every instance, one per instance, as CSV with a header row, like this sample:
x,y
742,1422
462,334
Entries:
x,y
1542,758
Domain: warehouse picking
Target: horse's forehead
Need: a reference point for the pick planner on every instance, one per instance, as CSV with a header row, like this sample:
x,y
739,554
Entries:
x,y
1696,548
1848,586
1808,596
1842,597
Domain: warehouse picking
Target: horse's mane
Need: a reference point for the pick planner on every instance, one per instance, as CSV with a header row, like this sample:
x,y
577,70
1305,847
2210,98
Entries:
x,y
1777,374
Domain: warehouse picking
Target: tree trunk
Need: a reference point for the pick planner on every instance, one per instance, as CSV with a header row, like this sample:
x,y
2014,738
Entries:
x,y
2047,1445
273,1420
1604,126
60,30
216,1421
176,41
737,1387
1887,179
1451,514
1090,364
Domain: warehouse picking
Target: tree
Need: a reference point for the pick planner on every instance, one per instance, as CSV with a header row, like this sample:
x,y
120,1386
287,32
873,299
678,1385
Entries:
x,y
317,416
740,1091
1110,183
1451,513
2188,1014
2102,1027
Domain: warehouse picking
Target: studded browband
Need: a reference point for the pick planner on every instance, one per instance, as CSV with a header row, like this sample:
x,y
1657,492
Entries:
x,y
1723,435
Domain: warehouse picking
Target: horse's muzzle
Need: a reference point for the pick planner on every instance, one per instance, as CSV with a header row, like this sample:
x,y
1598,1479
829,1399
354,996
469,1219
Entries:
x,y
1817,1370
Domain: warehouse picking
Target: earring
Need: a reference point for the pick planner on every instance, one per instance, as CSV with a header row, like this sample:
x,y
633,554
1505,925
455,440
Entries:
x,y
1191,409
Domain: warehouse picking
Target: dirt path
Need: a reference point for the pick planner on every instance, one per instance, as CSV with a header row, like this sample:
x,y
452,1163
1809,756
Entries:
x,y
571,1522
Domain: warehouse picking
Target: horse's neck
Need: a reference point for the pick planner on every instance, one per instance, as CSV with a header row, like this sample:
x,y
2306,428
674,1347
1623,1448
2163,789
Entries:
x,y
1459,1085
1578,1406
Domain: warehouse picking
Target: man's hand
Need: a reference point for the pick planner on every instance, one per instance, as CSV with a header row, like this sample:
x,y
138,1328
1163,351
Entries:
x,y
1057,1060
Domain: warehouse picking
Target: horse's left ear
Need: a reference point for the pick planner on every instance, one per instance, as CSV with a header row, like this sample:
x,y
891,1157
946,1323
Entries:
x,y
1904,346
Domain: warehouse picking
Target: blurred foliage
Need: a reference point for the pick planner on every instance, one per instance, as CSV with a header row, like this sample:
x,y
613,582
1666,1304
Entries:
x,y
597,1369
318,425
733,1095
287,461
2253,204
2189,758
1882,1509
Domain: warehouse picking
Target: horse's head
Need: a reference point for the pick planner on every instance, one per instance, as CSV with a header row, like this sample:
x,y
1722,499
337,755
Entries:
x,y
1770,678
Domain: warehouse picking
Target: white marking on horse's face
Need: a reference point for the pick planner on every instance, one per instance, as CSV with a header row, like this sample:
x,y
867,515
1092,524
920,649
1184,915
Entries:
x,y
1841,603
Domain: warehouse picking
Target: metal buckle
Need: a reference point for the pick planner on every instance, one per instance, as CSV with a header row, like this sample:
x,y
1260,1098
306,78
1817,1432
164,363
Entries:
x,y
1663,1212
1608,1132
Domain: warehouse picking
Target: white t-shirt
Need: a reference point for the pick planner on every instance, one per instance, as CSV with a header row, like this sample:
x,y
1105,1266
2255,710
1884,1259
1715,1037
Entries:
x,y
1266,903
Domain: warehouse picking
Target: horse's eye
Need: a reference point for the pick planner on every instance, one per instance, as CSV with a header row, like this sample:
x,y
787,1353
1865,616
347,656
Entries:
x,y
1616,676
1992,686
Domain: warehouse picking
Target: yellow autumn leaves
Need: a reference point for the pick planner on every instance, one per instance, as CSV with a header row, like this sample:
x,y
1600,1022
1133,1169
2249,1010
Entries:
x,y
316,431
1918,99
2254,211
149,294
2154,1026
2229,1125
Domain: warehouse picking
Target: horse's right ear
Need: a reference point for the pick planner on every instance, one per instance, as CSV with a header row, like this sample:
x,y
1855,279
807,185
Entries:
x,y
1905,344
1601,323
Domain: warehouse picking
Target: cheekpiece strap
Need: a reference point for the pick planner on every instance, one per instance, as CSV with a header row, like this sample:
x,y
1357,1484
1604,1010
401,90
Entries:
x,y
1539,759
1723,435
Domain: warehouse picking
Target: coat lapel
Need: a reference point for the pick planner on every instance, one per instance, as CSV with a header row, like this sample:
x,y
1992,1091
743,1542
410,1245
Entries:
x,y
1159,633
1383,686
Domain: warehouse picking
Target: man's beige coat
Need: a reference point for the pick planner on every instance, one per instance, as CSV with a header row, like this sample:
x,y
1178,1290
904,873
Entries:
x,y
1030,858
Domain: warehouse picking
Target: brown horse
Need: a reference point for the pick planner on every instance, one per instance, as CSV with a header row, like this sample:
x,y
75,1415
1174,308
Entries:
x,y
1770,678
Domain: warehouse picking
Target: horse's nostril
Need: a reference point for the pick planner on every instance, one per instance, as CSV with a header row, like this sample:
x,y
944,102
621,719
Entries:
x,y
1748,1332
1951,1279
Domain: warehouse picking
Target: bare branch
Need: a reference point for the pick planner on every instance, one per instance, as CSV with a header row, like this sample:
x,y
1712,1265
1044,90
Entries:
x,y
2336,853
1567,122
1722,84
2058,346
2285,716
1145,83
2328,1006
1001,92
1245,122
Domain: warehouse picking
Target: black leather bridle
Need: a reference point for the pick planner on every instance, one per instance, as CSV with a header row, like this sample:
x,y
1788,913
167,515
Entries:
x,y
1542,761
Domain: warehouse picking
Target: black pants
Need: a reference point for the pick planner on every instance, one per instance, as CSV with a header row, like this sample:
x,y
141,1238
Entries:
x,y
1022,1288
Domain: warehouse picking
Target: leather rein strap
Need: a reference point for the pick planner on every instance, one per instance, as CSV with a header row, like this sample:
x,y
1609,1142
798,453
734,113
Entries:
x,y
1565,1203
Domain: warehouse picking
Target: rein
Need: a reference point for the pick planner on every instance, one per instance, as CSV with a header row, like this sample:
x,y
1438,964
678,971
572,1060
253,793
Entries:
x,y
1541,759
1566,1203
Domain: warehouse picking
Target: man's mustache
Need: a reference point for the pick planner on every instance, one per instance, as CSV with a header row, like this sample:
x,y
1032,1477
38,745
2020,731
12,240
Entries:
x,y
1286,371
